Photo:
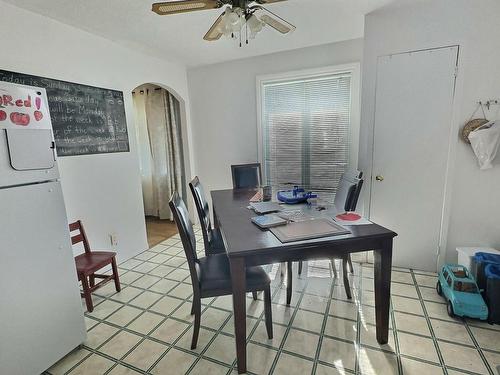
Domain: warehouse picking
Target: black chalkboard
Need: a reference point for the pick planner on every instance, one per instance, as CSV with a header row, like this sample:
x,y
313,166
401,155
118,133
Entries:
x,y
85,119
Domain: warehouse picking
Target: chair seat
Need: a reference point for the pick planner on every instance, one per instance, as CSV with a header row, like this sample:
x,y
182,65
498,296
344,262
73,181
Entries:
x,y
215,276
88,263
216,243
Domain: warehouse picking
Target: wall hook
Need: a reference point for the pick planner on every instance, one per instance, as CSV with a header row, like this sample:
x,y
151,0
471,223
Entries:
x,y
489,103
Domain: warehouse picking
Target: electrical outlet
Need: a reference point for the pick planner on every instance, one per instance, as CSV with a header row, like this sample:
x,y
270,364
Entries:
x,y
114,239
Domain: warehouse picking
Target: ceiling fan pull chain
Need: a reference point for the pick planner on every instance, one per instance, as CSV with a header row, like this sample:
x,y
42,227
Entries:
x,y
246,32
237,13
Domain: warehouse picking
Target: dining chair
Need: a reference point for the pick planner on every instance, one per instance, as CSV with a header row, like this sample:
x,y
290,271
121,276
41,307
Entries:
x,y
357,177
211,275
212,238
246,176
90,262
345,200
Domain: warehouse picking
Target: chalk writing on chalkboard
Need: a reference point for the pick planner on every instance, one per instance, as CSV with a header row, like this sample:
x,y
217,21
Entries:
x,y
85,119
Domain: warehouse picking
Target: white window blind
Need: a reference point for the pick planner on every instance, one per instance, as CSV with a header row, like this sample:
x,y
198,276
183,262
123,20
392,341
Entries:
x,y
305,132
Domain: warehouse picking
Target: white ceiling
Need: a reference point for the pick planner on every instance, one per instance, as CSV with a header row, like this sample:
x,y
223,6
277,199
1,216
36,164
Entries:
x,y
179,37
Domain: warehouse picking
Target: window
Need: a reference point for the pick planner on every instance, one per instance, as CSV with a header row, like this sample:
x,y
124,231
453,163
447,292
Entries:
x,y
448,280
466,287
306,130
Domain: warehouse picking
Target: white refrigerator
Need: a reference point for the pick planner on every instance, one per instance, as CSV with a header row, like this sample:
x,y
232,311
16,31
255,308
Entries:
x,y
41,314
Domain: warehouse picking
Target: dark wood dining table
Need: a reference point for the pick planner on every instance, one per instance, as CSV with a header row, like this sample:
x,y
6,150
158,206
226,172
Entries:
x,y
248,245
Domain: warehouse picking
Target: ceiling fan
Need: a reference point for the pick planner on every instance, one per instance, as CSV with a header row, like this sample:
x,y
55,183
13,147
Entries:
x,y
240,16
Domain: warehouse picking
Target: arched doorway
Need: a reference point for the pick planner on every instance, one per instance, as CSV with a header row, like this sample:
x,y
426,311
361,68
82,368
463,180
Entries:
x,y
158,121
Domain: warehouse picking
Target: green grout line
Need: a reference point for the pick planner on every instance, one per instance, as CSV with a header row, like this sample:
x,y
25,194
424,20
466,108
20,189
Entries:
x,y
358,321
289,325
78,363
431,329
323,325
396,339
478,348
206,347
143,337
258,321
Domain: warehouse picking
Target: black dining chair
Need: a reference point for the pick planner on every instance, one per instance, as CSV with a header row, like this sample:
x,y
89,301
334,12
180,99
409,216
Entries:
x,y
211,275
212,238
246,176
345,200
355,177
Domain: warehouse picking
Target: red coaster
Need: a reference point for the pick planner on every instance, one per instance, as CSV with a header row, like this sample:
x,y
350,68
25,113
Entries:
x,y
348,216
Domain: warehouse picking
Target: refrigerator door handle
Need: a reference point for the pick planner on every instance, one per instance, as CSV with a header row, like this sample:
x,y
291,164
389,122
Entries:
x,y
53,147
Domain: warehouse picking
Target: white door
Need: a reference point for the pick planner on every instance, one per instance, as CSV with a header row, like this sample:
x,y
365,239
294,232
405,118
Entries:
x,y
413,112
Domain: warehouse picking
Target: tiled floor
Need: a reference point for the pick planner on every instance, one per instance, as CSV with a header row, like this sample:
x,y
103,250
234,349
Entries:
x,y
147,327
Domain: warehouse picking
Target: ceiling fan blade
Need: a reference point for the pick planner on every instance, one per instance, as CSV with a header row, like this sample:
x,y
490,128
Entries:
x,y
184,6
213,33
275,21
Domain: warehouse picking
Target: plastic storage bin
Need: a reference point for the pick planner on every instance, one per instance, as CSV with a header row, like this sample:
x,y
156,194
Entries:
x,y
465,254
479,262
492,273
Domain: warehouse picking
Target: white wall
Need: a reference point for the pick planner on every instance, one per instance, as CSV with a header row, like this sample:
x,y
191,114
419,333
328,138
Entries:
x,y
102,190
223,104
473,198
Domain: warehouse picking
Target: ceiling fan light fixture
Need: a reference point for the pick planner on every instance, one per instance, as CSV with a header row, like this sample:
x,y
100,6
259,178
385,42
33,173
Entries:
x,y
241,19
254,25
234,17
232,21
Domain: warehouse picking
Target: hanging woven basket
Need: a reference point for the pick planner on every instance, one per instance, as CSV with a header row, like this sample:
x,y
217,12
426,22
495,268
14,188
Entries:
x,y
471,126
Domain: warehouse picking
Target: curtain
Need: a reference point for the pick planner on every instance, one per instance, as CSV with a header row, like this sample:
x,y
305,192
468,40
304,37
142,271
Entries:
x,y
162,113
144,149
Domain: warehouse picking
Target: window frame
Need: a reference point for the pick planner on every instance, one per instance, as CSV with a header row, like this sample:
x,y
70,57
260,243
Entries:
x,y
351,68
445,274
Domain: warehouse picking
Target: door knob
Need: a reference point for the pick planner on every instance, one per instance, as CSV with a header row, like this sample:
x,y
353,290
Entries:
x,y
379,178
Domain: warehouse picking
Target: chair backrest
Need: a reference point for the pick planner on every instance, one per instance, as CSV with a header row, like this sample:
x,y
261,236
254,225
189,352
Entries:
x,y
348,191
345,190
357,192
352,174
246,176
203,210
188,238
77,226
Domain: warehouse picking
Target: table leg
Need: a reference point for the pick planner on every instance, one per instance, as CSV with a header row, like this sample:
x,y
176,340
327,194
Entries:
x,y
216,219
382,269
289,280
239,307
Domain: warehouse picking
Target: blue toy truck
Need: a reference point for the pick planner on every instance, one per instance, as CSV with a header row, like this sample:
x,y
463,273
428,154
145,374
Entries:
x,y
460,290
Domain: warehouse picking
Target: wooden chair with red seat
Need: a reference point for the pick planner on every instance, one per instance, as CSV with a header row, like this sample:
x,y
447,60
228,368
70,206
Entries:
x,y
88,263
